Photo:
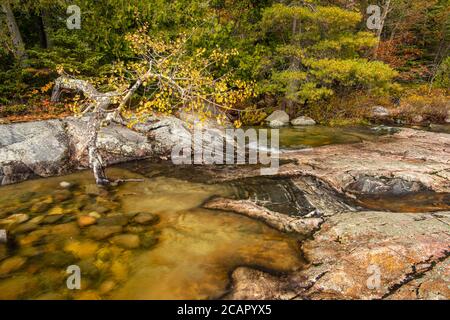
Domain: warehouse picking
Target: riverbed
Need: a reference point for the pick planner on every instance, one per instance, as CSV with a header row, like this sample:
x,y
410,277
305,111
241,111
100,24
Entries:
x,y
152,238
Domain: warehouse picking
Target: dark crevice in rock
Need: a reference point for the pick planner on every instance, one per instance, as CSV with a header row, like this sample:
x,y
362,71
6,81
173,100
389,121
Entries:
x,y
325,199
278,195
301,294
416,274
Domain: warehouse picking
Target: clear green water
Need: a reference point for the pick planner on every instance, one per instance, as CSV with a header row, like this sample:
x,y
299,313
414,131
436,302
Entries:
x,y
187,254
440,128
316,136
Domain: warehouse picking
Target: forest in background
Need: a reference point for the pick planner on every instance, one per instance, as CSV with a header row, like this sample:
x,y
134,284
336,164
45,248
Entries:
x,y
315,58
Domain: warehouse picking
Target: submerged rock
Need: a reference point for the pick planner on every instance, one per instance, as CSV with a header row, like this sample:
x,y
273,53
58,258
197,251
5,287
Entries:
x,y
126,241
40,207
107,286
146,218
66,230
85,221
51,296
57,259
275,194
11,264
87,295
65,185
33,237
88,268
24,228
62,195
113,220
82,249
14,219
53,218
17,287
102,232
3,251
93,190
149,240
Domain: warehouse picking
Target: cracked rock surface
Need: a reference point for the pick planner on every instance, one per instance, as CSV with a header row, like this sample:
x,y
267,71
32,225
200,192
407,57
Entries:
x,y
363,255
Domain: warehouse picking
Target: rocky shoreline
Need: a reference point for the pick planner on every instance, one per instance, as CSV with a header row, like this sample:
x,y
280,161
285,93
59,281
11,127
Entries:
x,y
55,147
352,252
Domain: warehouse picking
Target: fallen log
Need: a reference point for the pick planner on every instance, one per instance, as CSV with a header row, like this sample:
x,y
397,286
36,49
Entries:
x,y
281,222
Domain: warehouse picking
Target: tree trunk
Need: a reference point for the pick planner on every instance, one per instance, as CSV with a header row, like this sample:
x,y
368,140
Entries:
x,y
100,114
386,10
100,105
16,37
294,66
43,32
95,159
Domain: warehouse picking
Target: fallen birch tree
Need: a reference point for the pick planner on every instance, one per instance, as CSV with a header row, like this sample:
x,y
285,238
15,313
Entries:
x,y
169,77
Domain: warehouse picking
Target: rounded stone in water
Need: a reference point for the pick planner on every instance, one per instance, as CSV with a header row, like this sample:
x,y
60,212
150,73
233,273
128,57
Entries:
x,y
3,236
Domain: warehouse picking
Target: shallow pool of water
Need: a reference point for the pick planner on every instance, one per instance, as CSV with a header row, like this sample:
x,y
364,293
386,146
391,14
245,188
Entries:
x,y
139,240
316,136
411,202
440,128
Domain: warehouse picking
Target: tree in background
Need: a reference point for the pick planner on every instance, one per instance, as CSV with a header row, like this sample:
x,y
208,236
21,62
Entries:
x,y
300,53
17,46
317,52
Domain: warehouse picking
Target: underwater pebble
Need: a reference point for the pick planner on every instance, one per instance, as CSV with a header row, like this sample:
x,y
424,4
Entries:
x,y
126,241
65,184
15,219
11,264
15,287
81,249
85,221
146,218
113,220
107,286
40,207
87,295
95,215
102,232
